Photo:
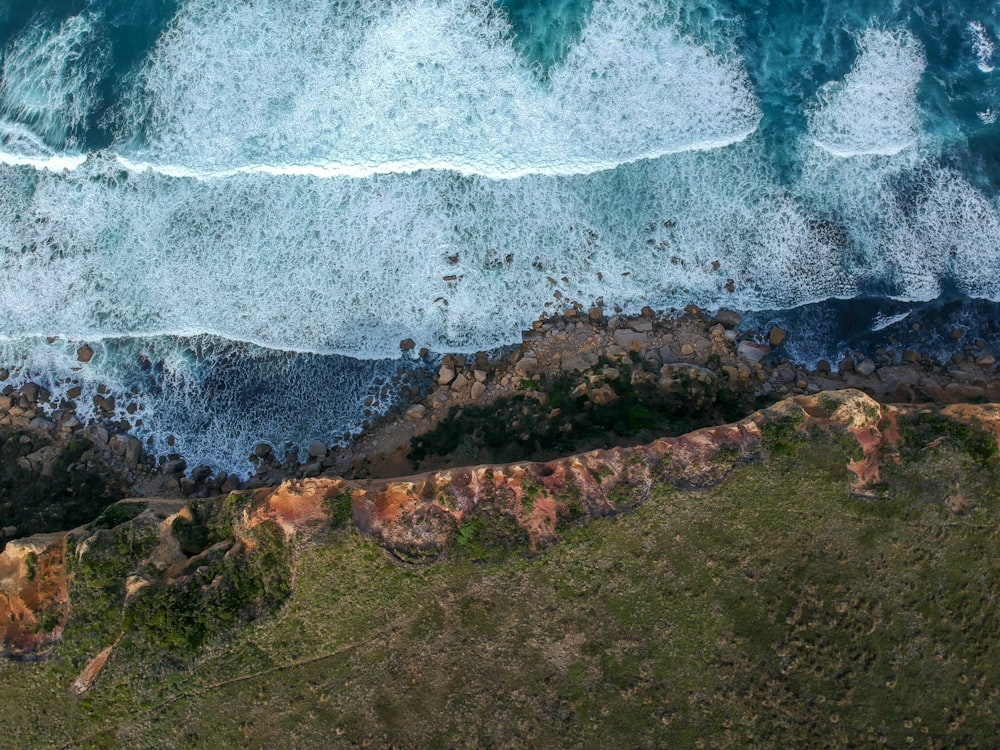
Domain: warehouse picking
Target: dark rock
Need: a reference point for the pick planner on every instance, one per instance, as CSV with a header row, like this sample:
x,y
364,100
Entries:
x,y
263,450
318,450
407,345
201,473
776,336
865,368
175,466
127,447
728,318
84,354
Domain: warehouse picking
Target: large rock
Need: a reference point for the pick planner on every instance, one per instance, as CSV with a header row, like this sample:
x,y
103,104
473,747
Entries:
x,y
728,318
752,351
579,362
630,340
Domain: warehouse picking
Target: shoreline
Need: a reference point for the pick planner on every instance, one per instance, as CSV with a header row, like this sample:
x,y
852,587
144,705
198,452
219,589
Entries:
x,y
576,345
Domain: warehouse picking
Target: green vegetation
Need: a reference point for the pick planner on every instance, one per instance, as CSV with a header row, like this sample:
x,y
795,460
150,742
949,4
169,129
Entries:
x,y
224,590
775,610
339,509
784,436
50,488
549,420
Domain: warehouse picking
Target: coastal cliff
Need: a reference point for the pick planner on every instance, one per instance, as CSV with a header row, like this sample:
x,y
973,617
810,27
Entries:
x,y
157,586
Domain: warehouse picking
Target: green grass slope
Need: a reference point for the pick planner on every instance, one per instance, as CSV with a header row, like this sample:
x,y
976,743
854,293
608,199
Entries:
x,y
775,610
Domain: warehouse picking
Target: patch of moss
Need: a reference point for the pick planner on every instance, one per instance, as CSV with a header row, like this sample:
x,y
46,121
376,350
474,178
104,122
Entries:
x,y
927,431
783,436
340,509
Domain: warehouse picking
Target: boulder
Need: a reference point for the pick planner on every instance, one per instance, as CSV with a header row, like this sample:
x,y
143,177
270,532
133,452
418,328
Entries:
x,y
728,318
416,411
478,390
641,325
776,336
445,375
579,362
407,345
631,340
603,394
752,351
865,368
84,354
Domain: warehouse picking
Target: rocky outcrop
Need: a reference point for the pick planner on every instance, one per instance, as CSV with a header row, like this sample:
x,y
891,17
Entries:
x,y
35,602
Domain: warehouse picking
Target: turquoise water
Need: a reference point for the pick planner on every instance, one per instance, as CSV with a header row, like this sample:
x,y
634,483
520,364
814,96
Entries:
x,y
221,186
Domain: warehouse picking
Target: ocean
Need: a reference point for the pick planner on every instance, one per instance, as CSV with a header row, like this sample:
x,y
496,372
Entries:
x,y
242,208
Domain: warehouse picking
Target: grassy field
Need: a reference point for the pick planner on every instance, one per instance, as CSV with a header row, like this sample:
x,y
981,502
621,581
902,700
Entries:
x,y
773,611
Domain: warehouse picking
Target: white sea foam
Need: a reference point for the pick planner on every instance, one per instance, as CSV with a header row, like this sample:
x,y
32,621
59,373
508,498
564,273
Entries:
x,y
874,110
358,89
982,46
214,400
45,87
988,116
20,147
911,223
882,322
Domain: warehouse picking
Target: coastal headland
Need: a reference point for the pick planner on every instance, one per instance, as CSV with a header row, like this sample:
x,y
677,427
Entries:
x,y
677,525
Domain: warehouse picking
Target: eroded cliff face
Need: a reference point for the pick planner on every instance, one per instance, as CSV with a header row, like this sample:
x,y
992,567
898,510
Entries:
x,y
231,558
34,605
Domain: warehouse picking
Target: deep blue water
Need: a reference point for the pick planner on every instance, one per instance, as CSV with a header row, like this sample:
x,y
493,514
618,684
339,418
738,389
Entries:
x,y
271,195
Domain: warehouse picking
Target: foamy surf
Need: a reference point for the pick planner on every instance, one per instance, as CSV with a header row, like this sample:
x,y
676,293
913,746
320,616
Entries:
x,y
874,110
362,89
403,167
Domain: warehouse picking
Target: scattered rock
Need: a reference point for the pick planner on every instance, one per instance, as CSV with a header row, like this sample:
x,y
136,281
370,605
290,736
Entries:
x,y
446,374
460,383
776,336
416,411
478,390
407,345
84,354
318,450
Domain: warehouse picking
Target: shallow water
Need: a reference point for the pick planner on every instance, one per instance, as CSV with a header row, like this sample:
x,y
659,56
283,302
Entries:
x,y
276,193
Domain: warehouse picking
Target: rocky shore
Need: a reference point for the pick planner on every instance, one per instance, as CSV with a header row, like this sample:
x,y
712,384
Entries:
x,y
693,356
